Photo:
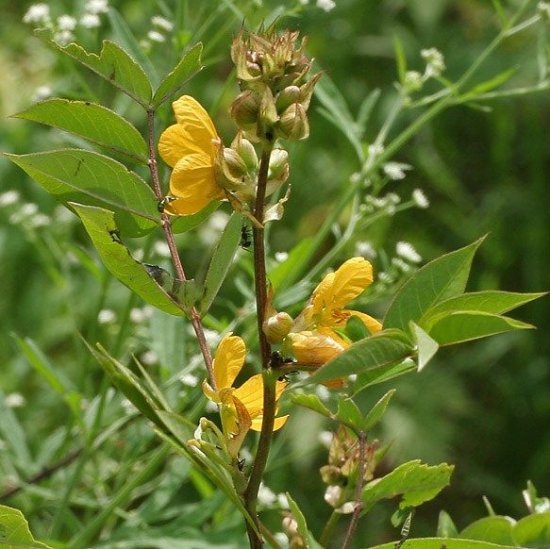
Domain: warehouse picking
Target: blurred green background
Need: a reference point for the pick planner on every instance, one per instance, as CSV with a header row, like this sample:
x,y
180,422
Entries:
x,y
484,406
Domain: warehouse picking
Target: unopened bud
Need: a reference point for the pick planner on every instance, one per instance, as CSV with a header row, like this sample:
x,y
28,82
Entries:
x,y
294,124
290,526
278,163
333,496
291,94
268,116
245,109
276,327
246,151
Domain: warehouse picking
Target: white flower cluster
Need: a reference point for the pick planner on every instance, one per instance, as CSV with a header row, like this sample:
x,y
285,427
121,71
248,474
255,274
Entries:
x,y
26,213
386,204
325,5
65,25
161,27
435,65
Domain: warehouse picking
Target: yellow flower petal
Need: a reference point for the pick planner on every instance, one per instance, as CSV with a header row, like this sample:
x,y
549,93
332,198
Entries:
x,y
193,184
314,347
257,423
174,145
251,394
339,288
228,361
372,324
190,114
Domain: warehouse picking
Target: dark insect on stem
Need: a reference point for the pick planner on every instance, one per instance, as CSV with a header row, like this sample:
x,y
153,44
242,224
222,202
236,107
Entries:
x,y
164,202
246,237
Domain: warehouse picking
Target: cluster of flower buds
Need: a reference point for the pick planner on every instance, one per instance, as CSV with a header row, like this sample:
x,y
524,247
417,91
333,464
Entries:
x,y
340,474
237,170
275,95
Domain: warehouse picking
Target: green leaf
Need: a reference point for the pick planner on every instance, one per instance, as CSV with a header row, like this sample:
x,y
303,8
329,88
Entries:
x,y
356,329
14,531
445,526
447,543
414,481
125,36
382,374
75,175
129,385
490,84
313,402
113,64
188,66
384,348
533,531
441,279
102,229
494,529
91,121
221,261
491,301
377,411
303,530
466,326
349,414
366,108
426,346
184,223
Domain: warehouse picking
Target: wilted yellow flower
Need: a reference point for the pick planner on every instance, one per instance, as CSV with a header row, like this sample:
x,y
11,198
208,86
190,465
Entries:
x,y
316,336
191,147
241,408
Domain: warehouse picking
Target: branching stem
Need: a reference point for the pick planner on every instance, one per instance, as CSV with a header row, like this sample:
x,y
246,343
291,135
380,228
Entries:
x,y
170,240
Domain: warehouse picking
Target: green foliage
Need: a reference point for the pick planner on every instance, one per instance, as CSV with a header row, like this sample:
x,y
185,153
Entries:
x,y
14,531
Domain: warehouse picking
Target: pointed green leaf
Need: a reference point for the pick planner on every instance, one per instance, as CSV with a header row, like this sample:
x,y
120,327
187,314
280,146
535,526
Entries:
x,y
188,66
447,543
533,531
91,121
377,411
313,402
221,261
445,526
124,35
490,84
493,529
356,329
113,64
303,530
426,346
384,348
184,223
102,229
129,385
75,175
382,374
414,481
400,59
349,414
441,279
465,326
492,301
366,108
15,532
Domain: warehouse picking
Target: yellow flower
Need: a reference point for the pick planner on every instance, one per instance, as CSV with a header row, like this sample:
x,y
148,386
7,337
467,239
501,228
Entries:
x,y
241,408
316,336
190,147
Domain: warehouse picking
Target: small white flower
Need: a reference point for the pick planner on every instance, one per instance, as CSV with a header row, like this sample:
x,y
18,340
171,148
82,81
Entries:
x,y
190,380
396,170
90,21
281,256
435,63
138,315
375,150
37,13
385,277
161,248
322,392
282,500
97,6
326,5
212,337
211,407
106,316
392,198
420,199
355,177
40,220
42,92
365,249
63,37
401,265
406,251
149,357
333,494
266,496
28,209
14,400
162,23
413,81
66,22
156,36
347,508
325,438
8,198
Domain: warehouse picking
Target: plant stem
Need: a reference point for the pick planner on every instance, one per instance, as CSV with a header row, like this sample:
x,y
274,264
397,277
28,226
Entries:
x,y
170,240
260,279
328,530
361,468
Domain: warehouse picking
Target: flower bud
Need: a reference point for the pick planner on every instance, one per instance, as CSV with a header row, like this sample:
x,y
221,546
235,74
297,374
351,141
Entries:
x,y
245,109
294,124
246,151
276,327
291,94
